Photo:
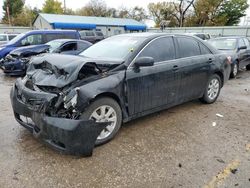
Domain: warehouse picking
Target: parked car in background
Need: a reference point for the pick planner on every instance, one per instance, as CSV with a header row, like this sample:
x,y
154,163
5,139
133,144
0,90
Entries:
x,y
16,62
77,102
203,36
6,37
36,37
91,36
238,48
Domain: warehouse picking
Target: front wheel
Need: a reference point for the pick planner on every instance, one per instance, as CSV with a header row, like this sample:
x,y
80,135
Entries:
x,y
104,109
212,90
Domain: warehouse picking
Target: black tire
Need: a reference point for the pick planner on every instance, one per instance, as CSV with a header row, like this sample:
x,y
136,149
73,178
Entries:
x,y
95,105
234,74
205,98
248,67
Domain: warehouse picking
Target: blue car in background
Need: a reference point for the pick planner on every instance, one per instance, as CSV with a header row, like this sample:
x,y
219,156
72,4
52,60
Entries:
x,y
17,61
36,37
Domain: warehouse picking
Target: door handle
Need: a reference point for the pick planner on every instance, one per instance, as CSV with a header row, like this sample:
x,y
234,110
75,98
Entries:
x,y
210,60
175,67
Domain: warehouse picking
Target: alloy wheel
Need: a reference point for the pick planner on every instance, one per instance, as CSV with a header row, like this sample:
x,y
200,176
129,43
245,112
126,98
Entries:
x,y
105,113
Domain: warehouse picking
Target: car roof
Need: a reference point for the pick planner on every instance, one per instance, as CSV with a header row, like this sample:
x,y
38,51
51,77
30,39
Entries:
x,y
151,35
50,31
68,40
229,37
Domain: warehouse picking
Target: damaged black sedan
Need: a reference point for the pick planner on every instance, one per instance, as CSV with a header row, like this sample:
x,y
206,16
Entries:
x,y
73,103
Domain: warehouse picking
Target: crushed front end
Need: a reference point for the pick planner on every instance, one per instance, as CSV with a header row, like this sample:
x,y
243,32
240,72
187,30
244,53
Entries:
x,y
41,112
14,66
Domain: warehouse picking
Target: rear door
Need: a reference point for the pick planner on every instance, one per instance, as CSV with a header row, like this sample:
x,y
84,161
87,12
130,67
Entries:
x,y
194,64
157,85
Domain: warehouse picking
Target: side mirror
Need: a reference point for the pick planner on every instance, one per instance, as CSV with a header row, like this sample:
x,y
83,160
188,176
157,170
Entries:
x,y
242,48
144,62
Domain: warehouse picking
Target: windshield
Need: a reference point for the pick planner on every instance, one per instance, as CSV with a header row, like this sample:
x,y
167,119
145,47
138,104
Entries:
x,y
117,47
17,38
3,38
224,44
54,45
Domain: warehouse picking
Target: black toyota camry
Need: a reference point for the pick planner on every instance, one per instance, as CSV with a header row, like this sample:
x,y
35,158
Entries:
x,y
73,103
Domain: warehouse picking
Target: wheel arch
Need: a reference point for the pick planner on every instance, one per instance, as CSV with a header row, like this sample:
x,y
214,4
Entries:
x,y
110,95
221,75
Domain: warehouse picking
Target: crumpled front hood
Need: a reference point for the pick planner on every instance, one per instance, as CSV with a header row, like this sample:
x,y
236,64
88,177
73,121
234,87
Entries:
x,y
58,70
30,50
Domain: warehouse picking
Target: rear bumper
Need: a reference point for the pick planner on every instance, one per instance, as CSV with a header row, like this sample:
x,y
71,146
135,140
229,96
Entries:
x,y
76,137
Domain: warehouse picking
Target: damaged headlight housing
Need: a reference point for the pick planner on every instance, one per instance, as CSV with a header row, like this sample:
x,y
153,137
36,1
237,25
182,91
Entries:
x,y
70,100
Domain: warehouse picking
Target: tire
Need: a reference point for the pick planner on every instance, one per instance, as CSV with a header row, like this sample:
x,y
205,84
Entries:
x,y
248,67
101,105
235,70
214,85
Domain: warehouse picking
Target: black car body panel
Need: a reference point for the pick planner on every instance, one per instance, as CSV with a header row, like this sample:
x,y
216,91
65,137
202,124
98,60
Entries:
x,y
67,88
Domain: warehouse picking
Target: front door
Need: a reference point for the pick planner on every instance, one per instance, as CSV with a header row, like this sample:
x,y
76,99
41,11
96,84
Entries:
x,y
157,85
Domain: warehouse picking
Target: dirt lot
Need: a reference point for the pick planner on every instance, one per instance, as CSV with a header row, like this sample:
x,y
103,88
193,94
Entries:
x,y
178,147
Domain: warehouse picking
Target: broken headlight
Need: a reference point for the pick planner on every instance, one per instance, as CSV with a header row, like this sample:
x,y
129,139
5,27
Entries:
x,y
70,100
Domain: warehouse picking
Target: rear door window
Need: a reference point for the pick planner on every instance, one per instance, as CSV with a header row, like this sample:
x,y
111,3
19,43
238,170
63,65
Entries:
x,y
53,36
69,36
90,34
69,47
161,49
188,47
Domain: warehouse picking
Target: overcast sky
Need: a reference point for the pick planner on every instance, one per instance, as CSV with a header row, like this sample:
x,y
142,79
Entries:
x,y
75,4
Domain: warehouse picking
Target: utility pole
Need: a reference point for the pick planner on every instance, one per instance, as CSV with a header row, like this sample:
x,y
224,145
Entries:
x,y
8,12
64,4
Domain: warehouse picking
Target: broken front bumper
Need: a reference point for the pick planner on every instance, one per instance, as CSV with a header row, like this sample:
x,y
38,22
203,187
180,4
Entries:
x,y
70,136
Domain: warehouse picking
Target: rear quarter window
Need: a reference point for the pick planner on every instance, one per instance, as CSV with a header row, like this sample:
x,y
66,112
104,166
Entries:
x,y
204,49
187,47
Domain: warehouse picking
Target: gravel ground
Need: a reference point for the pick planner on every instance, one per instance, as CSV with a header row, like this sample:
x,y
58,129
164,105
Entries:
x,y
179,147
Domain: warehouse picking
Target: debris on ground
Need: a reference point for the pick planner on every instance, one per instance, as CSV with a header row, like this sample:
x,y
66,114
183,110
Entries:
x,y
233,170
214,124
219,115
220,160
180,165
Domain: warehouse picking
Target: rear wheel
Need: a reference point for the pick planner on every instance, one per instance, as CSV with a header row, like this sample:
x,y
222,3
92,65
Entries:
x,y
212,90
235,69
248,67
105,110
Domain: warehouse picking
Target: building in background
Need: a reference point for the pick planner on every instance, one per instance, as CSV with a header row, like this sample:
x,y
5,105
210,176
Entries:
x,y
108,26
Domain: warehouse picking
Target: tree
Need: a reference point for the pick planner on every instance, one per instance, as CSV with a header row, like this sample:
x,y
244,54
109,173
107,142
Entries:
x,y
26,17
94,8
138,13
233,10
218,12
162,11
52,6
181,10
15,7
